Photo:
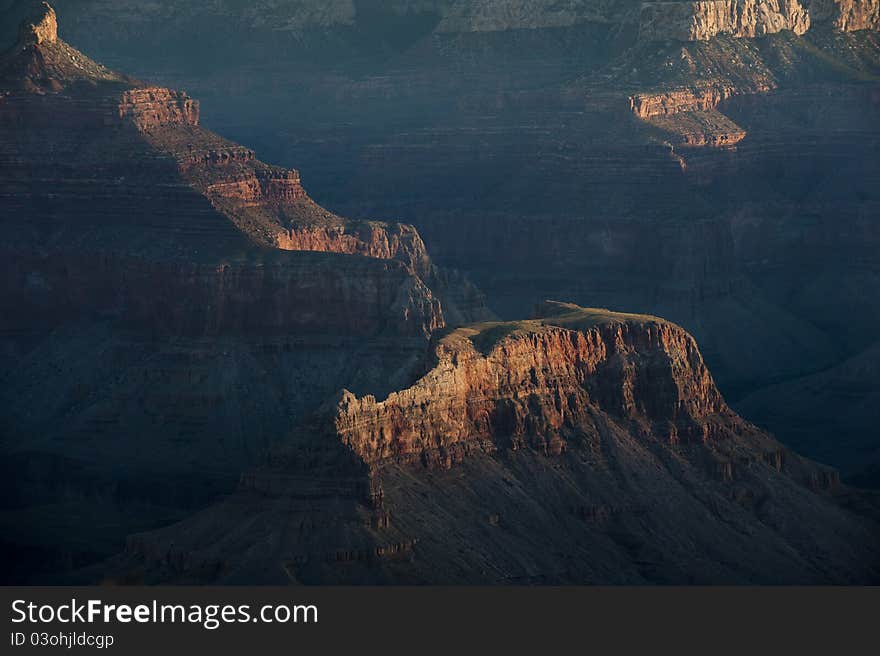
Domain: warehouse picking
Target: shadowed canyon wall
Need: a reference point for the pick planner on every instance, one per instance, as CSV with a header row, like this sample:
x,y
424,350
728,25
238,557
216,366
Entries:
x,y
176,310
580,432
168,298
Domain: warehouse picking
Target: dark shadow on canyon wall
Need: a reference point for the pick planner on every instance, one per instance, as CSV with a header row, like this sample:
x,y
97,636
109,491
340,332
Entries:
x,y
179,304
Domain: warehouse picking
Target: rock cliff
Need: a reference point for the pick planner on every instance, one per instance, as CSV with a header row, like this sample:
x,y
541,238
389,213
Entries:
x,y
153,107
43,29
704,20
700,21
534,381
581,445
158,336
652,105
266,203
681,87
123,217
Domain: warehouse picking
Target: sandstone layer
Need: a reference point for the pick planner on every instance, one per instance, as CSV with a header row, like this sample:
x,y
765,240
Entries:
x,y
582,445
700,21
707,19
166,288
160,130
533,381
518,156
543,188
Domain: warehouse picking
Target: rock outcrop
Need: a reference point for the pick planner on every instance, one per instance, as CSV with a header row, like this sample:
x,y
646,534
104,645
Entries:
x,y
535,381
666,103
123,217
523,440
152,107
159,334
370,239
689,116
706,19
267,204
43,30
723,60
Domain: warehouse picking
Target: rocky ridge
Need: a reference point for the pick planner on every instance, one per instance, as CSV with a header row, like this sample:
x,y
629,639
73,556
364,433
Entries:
x,y
579,411
266,203
124,218
689,113
43,29
533,380
581,494
705,20
701,21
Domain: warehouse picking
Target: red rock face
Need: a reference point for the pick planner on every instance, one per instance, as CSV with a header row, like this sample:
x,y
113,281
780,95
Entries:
x,y
521,442
214,195
262,186
537,385
703,20
651,105
43,29
379,240
268,203
689,116
580,446
153,107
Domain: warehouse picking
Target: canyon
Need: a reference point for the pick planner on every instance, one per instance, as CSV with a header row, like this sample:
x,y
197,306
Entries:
x,y
581,446
177,312
727,184
166,295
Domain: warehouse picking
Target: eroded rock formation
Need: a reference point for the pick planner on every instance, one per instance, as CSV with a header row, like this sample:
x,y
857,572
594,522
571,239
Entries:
x,y
123,217
700,21
171,336
652,105
152,107
581,432
535,381
706,19
43,29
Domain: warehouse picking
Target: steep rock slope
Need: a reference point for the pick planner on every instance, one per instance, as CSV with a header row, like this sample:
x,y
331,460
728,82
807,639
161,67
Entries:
x,y
701,21
518,154
166,293
582,446
160,129
506,135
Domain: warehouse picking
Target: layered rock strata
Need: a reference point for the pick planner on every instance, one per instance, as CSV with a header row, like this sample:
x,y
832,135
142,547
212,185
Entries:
x,y
522,441
666,103
534,381
134,235
707,19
